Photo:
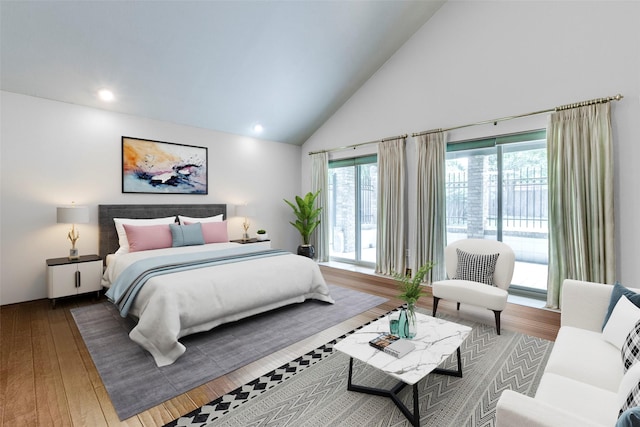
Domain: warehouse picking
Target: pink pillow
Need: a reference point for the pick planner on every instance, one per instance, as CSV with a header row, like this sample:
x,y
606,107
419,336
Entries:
x,y
145,237
213,232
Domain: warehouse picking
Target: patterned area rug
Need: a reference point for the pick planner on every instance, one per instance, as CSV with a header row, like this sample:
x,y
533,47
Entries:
x,y
312,390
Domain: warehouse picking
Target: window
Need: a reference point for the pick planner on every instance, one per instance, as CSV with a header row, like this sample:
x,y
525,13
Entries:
x,y
353,192
496,188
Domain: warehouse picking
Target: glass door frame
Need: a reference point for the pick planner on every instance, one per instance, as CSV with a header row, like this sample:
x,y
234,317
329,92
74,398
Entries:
x,y
355,162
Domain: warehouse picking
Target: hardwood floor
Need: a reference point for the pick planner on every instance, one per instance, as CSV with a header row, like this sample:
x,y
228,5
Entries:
x,y
47,376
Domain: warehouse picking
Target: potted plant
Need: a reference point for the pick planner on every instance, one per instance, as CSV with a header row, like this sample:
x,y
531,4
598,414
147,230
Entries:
x,y
262,234
411,290
306,220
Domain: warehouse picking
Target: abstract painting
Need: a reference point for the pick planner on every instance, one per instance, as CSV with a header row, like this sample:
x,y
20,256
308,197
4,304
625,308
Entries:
x,y
163,167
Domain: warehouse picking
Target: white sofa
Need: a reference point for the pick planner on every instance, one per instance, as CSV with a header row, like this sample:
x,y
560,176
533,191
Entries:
x,y
583,382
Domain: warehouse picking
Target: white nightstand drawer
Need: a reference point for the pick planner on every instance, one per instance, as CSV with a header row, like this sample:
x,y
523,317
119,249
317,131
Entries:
x,y
72,277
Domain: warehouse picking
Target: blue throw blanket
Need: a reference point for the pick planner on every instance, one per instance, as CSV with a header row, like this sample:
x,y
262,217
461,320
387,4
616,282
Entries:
x,y
124,289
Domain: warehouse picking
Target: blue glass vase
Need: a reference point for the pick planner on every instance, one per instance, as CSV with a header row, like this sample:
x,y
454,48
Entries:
x,y
407,323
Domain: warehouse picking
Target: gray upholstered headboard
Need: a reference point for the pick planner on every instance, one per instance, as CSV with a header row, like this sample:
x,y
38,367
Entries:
x,y
108,238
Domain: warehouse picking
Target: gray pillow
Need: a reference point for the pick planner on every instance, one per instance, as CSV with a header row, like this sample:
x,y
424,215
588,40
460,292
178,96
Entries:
x,y
186,235
616,293
629,418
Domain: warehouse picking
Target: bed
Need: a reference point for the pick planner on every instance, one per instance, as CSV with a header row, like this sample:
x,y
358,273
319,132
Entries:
x,y
174,292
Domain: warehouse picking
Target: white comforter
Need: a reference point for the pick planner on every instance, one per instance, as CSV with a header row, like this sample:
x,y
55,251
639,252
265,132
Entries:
x,y
177,304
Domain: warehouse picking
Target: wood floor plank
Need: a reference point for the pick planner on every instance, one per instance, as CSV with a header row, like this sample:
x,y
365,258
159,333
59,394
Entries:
x,y
222,385
82,400
90,367
7,323
51,402
109,412
156,416
180,405
21,377
45,365
201,396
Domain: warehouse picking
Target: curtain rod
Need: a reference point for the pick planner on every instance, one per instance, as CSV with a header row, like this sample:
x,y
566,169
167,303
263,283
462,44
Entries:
x,y
617,97
354,146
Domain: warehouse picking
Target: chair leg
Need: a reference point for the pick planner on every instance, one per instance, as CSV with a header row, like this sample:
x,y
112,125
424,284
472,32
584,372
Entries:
x,y
497,313
435,305
458,307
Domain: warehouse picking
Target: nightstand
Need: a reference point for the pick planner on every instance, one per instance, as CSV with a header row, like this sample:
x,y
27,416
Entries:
x,y
67,277
263,243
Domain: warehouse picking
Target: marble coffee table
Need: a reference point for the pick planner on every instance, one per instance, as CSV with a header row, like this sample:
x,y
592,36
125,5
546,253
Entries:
x,y
436,340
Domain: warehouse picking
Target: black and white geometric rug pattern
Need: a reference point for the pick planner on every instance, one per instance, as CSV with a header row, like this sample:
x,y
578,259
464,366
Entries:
x,y
311,390
215,409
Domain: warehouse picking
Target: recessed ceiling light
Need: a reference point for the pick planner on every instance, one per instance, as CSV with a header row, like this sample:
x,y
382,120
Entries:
x,y
106,95
258,128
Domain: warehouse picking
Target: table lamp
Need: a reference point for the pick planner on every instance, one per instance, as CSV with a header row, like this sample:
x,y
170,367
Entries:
x,y
245,211
73,215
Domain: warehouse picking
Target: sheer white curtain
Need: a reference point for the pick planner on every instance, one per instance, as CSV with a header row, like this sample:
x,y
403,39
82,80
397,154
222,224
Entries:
x,y
581,221
431,215
391,240
320,181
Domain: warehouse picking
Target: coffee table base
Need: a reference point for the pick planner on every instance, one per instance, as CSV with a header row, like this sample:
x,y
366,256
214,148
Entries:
x,y
414,418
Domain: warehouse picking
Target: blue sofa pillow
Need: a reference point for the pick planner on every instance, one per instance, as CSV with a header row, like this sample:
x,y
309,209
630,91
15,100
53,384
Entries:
x,y
618,291
629,418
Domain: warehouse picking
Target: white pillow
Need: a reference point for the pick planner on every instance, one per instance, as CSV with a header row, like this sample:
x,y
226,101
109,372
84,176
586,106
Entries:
x,y
183,219
122,234
623,318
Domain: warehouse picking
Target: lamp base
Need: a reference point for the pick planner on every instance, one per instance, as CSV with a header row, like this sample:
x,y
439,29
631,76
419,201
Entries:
x,y
73,254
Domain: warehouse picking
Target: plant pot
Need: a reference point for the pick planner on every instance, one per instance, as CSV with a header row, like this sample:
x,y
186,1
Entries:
x,y
261,237
307,250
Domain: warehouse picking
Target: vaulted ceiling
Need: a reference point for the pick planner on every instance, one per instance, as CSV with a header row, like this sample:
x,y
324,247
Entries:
x,y
222,65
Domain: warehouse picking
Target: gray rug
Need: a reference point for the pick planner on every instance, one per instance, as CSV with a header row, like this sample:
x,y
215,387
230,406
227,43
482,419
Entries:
x,y
312,391
135,383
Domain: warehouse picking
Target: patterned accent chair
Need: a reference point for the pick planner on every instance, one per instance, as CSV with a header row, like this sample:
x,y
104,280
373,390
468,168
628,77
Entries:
x,y
479,273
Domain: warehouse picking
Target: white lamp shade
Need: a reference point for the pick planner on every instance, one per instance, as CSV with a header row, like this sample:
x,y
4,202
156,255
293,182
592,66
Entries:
x,y
73,215
245,211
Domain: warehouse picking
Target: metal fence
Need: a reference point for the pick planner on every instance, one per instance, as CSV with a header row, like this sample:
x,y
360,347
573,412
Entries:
x,y
457,189
368,213
525,205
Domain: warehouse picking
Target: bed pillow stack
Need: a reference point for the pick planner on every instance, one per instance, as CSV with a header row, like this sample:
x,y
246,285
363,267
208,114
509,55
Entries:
x,y
158,233
214,228
213,232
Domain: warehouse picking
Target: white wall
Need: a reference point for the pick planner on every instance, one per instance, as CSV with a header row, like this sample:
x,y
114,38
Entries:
x,y
54,153
476,61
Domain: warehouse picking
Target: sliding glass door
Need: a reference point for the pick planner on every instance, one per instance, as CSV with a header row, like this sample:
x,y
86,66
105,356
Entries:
x,y
497,189
353,189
